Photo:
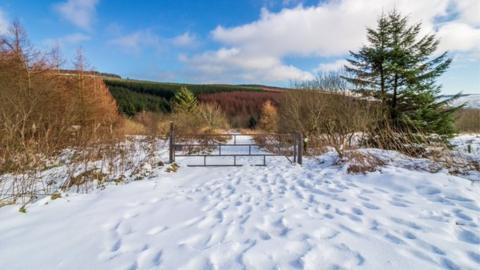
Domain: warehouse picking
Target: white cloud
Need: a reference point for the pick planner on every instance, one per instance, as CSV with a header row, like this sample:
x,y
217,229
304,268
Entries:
x,y
79,12
456,36
236,65
469,11
71,39
331,66
184,40
148,39
135,41
328,29
3,23
257,50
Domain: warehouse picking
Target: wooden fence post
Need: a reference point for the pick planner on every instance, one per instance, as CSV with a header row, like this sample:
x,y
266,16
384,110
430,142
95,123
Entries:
x,y
172,144
300,149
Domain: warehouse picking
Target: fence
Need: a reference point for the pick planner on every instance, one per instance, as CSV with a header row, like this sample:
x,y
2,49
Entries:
x,y
289,145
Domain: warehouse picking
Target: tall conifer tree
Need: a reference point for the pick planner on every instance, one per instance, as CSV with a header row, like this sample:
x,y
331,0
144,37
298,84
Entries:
x,y
400,67
184,100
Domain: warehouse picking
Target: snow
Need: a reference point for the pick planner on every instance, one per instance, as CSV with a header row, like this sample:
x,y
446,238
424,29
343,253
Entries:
x,y
463,141
470,101
282,216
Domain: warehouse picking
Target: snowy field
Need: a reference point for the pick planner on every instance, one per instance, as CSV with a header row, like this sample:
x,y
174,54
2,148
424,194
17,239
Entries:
x,y
282,216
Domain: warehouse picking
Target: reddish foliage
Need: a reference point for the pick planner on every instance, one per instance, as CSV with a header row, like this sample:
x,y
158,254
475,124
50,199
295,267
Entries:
x,y
239,106
241,102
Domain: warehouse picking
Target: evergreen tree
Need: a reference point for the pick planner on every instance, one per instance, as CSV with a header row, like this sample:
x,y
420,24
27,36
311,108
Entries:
x,y
399,67
252,122
184,100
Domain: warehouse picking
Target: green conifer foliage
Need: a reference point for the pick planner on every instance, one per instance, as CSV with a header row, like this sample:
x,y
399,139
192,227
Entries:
x,y
400,67
184,101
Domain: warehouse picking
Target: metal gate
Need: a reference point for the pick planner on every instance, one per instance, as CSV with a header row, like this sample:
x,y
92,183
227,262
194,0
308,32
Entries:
x,y
205,146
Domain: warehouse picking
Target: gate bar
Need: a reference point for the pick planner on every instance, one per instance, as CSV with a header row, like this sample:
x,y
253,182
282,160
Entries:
x,y
297,147
171,155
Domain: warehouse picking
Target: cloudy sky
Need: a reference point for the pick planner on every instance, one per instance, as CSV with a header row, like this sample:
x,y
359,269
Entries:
x,y
249,41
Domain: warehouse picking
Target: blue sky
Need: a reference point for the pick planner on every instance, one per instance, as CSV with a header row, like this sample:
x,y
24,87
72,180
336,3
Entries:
x,y
249,41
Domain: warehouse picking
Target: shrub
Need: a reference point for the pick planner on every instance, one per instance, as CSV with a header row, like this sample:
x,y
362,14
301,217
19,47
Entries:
x,y
240,106
361,163
468,120
186,123
133,127
268,117
325,118
44,111
212,116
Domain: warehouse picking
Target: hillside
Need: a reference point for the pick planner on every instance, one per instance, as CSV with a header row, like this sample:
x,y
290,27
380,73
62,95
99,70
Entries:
x,y
471,101
135,95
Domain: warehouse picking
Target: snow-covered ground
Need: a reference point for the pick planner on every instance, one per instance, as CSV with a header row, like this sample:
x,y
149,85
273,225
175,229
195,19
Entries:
x,y
282,216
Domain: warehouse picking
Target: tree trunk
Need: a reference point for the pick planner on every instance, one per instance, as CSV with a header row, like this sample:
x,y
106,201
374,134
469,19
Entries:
x,y
382,84
393,113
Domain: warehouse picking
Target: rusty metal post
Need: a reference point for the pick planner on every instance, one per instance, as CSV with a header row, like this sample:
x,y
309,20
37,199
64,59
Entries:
x,y
172,144
300,149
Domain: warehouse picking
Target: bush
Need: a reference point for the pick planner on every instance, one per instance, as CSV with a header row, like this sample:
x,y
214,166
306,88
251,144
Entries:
x,y
43,111
468,120
132,127
212,116
47,115
269,117
325,118
241,106
360,162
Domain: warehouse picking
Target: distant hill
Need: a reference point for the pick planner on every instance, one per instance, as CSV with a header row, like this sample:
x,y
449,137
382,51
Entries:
x,y
96,73
471,101
134,96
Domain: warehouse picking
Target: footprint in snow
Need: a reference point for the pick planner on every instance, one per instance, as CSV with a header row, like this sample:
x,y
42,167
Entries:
x,y
124,229
398,204
392,238
325,233
197,263
448,264
409,224
474,256
409,235
469,237
149,258
197,241
156,230
461,215
130,214
370,206
357,211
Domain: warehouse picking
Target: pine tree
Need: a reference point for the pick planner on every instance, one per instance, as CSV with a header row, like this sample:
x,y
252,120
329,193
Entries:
x,y
184,100
400,68
368,65
252,122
